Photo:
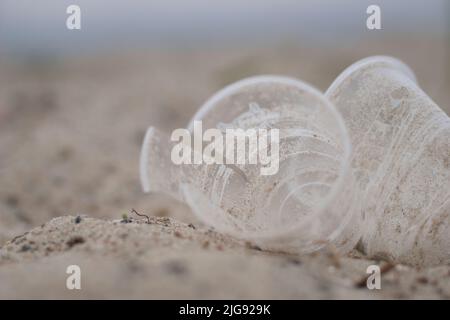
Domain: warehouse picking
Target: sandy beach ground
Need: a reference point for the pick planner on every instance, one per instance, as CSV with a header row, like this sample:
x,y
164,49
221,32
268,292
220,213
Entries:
x,y
70,135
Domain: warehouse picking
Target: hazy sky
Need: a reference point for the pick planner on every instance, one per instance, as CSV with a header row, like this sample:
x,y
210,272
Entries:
x,y
39,25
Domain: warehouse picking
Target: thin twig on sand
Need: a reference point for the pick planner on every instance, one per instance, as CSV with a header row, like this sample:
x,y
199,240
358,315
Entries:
x,y
141,215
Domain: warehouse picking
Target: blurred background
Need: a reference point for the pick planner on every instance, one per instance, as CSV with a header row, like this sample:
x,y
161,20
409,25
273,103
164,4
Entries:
x,y
74,104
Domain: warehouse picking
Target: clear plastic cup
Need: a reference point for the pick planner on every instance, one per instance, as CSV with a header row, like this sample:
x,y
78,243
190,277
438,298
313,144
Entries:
x,y
310,202
401,160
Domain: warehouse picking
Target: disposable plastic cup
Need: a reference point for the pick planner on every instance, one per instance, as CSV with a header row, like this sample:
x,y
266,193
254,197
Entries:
x,y
401,159
309,203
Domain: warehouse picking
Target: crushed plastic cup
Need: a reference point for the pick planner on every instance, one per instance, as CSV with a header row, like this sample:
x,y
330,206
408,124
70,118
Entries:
x,y
308,203
401,159
367,162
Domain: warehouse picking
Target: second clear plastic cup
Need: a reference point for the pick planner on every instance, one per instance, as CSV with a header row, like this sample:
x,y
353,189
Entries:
x,y
401,160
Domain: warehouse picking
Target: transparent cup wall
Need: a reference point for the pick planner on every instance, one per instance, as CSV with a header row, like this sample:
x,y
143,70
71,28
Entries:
x,y
401,158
